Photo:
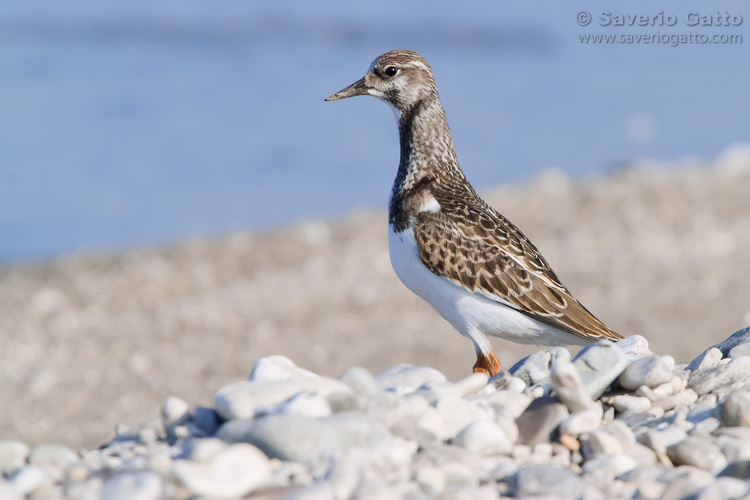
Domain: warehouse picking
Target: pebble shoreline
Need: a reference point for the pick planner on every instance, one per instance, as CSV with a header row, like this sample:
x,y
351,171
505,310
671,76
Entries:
x,y
616,421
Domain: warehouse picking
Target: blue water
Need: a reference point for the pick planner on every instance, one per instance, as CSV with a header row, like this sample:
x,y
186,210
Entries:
x,y
143,122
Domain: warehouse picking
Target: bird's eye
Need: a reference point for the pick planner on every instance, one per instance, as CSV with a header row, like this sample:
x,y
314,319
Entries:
x,y
391,70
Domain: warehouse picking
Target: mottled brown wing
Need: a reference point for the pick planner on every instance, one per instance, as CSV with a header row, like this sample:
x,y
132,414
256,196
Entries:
x,y
478,248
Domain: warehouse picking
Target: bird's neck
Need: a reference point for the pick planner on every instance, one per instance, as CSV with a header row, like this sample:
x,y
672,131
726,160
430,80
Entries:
x,y
427,152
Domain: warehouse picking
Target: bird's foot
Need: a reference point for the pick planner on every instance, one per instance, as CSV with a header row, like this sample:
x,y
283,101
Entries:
x,y
488,363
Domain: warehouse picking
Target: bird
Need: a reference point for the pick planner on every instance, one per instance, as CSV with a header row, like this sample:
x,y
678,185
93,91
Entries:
x,y
450,247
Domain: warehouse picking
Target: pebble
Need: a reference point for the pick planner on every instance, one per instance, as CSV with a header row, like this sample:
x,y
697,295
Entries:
x,y
278,368
707,359
133,485
361,381
540,419
633,404
52,454
699,452
568,386
651,371
634,346
599,365
536,480
232,472
535,368
484,437
734,411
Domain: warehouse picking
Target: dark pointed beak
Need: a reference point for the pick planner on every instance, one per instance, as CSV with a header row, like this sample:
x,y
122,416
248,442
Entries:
x,y
357,88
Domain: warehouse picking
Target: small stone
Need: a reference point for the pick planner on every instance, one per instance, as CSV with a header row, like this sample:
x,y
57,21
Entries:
x,y
484,437
274,368
597,443
500,380
508,402
600,364
535,368
540,419
201,449
243,399
582,421
174,412
232,472
634,346
707,359
544,480
734,411
12,455
699,452
684,398
406,378
659,441
709,379
361,381
133,485
733,449
430,429
609,466
738,344
633,404
739,433
516,385
305,404
52,454
568,386
650,371
28,479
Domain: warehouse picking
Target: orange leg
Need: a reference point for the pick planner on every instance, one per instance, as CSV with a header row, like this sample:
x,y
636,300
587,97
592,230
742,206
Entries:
x,y
488,363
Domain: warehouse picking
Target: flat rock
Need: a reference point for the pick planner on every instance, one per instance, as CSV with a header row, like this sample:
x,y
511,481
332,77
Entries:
x,y
699,452
405,378
650,371
278,368
737,344
535,368
709,379
291,437
539,420
599,365
542,480
232,472
243,399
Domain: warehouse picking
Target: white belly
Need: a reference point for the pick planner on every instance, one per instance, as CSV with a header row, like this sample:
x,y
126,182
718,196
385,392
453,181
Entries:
x,y
472,314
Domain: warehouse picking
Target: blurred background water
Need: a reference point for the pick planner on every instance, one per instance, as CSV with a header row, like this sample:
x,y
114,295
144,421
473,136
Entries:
x,y
141,122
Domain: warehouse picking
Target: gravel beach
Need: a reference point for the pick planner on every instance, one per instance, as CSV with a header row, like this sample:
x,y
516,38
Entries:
x,y
656,250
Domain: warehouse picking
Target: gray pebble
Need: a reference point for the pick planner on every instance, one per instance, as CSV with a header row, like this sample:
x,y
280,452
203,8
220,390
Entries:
x,y
535,368
133,485
660,440
278,368
535,480
650,371
733,449
174,411
232,472
405,378
598,443
699,452
568,386
599,365
630,403
734,411
707,359
484,437
709,379
206,420
290,437
724,488
540,419
634,346
361,381
582,421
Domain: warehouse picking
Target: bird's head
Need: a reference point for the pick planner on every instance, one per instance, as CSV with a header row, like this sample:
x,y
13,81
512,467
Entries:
x,y
400,78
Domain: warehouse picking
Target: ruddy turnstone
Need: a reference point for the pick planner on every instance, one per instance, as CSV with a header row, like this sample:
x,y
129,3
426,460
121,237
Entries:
x,y
448,245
